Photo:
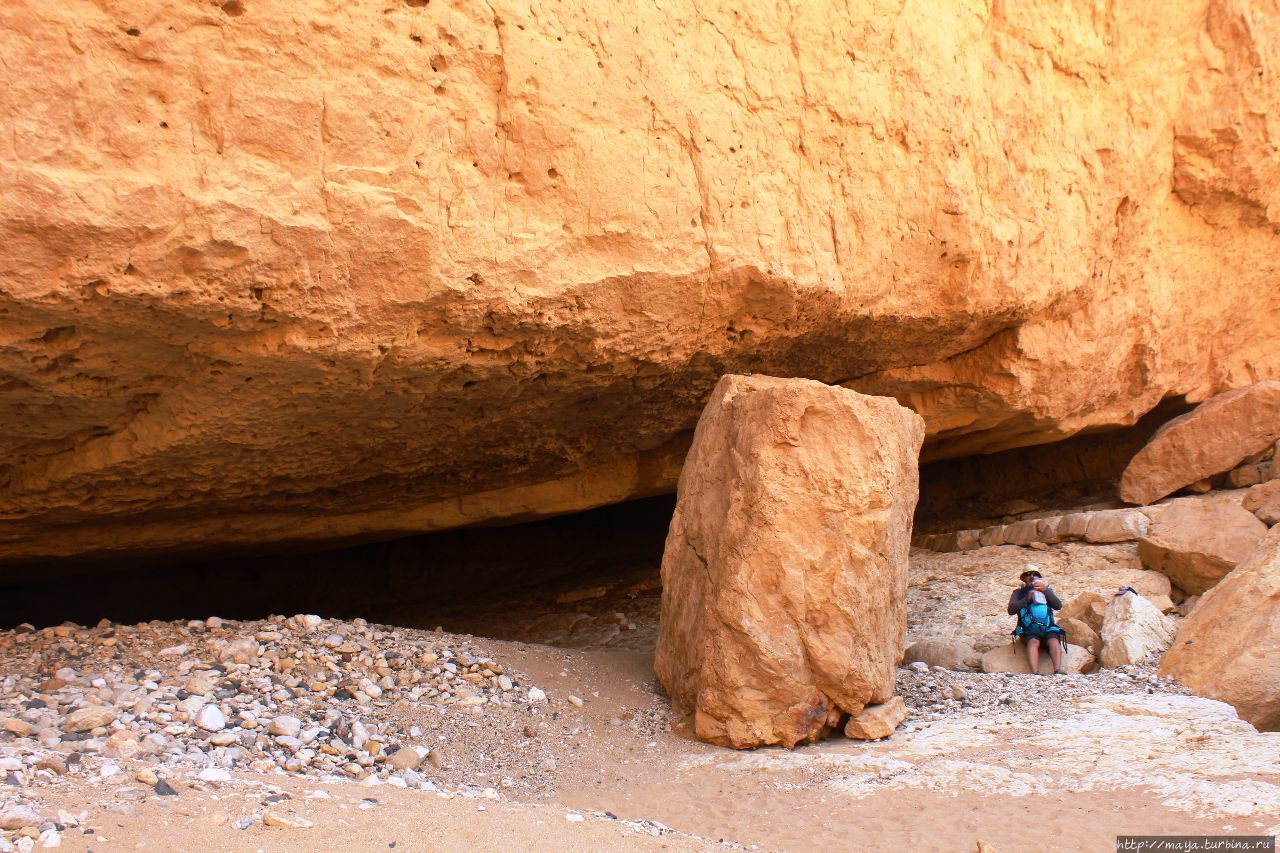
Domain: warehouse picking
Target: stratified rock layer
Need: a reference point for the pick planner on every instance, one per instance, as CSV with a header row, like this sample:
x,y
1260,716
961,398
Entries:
x,y
271,272
784,578
1227,647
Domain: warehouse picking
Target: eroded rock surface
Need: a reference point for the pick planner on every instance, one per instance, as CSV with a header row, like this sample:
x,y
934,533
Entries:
x,y
270,273
785,573
1226,648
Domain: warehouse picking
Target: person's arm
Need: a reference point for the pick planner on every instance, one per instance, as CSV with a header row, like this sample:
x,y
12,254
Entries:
x,y
1018,600
1052,597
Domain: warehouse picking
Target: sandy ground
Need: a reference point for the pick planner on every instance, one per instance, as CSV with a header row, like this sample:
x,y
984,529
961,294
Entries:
x,y
946,786
1067,772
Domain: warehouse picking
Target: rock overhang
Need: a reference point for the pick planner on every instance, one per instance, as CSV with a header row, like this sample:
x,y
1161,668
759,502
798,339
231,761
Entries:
x,y
273,306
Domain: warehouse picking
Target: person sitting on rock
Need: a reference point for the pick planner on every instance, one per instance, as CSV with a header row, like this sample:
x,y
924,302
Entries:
x,y
1033,603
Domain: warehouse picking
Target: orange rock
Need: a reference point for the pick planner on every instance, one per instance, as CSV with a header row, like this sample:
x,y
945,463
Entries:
x,y
1080,634
1088,608
1209,440
785,572
877,721
369,269
1226,647
1195,543
1264,501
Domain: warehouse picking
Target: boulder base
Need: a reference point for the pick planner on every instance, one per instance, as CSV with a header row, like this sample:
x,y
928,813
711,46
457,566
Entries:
x,y
1196,543
877,721
1133,629
785,570
1226,648
1210,440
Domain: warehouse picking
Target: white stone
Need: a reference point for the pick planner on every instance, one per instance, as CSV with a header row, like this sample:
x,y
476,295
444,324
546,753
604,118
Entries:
x,y
286,725
1133,629
210,718
18,817
214,774
290,743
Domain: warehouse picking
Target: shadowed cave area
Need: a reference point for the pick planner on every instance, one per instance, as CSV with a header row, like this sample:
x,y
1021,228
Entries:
x,y
587,579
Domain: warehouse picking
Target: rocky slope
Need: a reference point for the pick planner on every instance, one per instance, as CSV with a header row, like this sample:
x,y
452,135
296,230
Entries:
x,y
272,275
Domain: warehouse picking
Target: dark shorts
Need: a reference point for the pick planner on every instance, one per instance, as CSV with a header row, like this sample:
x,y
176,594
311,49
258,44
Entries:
x,y
1037,633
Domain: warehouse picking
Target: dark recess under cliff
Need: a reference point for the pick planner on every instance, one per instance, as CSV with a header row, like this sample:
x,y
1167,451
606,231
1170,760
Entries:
x,y
496,581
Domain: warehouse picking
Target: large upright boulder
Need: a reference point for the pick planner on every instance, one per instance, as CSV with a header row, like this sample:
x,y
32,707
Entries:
x,y
785,572
1213,438
1195,543
1227,648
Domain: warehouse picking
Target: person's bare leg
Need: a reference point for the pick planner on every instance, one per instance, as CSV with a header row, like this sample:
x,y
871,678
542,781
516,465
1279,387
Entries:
x,y
1033,654
1055,653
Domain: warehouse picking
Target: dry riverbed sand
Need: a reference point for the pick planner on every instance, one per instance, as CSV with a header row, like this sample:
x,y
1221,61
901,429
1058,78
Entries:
x,y
522,746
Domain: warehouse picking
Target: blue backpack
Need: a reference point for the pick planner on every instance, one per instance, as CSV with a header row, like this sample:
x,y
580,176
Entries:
x,y
1040,617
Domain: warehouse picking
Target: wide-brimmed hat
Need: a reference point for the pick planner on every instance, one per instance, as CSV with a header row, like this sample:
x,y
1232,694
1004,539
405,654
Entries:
x,y
1034,572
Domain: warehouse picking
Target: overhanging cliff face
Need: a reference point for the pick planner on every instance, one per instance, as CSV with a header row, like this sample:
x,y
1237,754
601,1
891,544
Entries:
x,y
357,270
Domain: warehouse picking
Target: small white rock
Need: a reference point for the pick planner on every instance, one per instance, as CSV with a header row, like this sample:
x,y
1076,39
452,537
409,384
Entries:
x,y
286,725
210,718
214,774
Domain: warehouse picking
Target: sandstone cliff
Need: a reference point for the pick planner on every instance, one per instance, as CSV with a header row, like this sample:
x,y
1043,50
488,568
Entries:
x,y
272,271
